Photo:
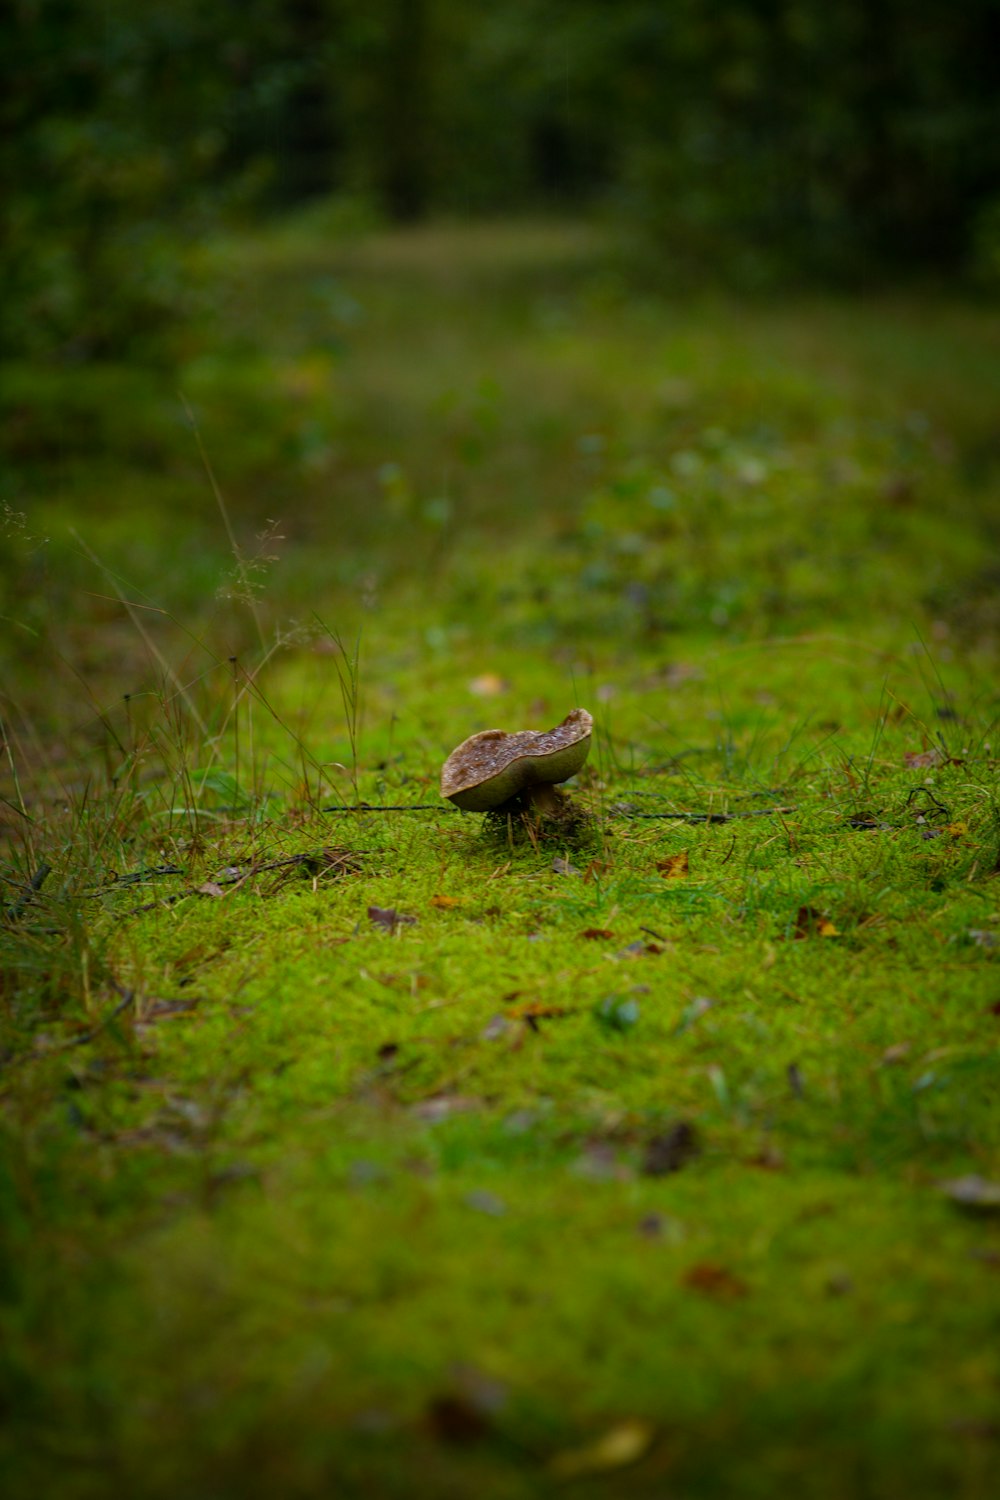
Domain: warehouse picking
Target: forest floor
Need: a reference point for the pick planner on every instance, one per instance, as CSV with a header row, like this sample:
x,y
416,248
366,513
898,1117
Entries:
x,y
389,1153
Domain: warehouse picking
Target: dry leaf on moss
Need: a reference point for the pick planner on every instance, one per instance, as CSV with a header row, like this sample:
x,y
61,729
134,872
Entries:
x,y
812,923
537,1010
714,1281
922,760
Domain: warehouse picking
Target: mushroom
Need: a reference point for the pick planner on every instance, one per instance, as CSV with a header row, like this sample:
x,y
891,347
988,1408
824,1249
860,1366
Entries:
x,y
494,767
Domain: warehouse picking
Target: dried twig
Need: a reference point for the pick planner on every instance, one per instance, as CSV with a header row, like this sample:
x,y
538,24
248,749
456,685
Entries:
x,y
615,812
731,851
367,807
925,791
694,817
139,877
128,998
337,860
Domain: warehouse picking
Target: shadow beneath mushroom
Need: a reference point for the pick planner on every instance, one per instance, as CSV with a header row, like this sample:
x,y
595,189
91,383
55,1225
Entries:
x,y
556,819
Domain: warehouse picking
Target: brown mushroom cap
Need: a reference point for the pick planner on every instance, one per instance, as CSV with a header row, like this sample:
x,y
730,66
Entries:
x,y
488,769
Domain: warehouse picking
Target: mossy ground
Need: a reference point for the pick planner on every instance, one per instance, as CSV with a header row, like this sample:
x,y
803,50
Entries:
x,y
356,1174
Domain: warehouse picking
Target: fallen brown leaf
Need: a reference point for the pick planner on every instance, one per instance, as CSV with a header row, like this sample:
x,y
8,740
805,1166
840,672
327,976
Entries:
x,y
713,1280
537,1010
675,866
812,923
596,932
920,760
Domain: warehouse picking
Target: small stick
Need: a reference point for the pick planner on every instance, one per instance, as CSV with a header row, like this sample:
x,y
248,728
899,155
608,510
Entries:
x,y
365,807
692,817
137,877
917,790
688,817
128,998
333,861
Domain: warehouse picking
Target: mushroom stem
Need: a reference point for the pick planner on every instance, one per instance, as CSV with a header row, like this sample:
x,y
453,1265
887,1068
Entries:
x,y
546,800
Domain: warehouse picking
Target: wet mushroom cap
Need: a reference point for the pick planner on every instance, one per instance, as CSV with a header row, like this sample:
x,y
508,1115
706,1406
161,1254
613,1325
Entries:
x,y
490,768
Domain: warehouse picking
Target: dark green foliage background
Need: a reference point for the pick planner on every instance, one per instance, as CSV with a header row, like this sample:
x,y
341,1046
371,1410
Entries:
x,y
760,139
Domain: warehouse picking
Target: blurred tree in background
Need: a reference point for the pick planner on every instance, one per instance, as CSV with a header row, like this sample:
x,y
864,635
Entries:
x,y
763,139
839,139
112,129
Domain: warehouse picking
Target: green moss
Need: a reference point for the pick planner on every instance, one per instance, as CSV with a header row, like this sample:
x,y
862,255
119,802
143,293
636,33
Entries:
x,y
284,1185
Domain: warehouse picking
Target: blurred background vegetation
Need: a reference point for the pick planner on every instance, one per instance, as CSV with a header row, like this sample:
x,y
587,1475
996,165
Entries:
x,y
400,283
761,141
